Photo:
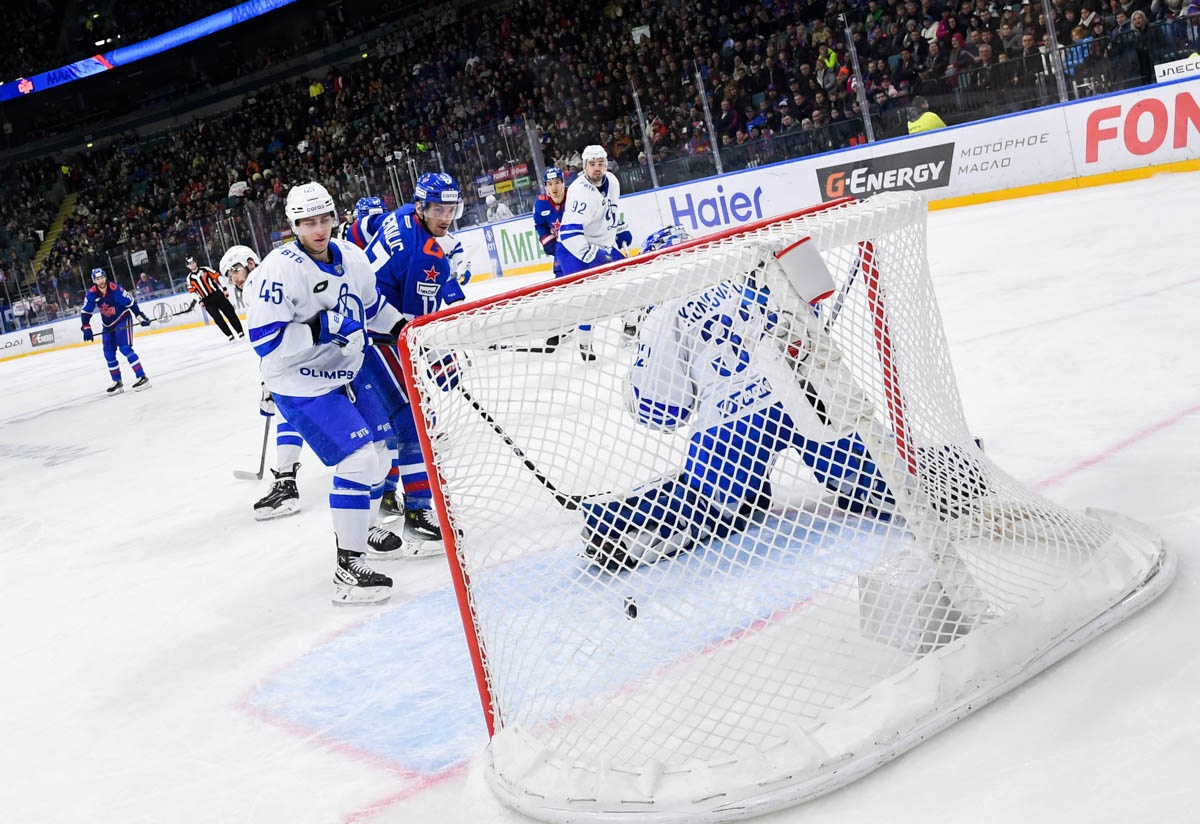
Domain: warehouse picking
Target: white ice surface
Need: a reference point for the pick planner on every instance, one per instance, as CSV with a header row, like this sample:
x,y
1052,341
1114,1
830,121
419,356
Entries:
x,y
168,659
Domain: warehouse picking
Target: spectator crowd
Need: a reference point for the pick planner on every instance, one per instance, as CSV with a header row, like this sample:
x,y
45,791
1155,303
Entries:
x,y
465,92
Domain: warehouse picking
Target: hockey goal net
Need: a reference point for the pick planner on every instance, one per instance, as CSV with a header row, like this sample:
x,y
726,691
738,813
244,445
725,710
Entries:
x,y
666,627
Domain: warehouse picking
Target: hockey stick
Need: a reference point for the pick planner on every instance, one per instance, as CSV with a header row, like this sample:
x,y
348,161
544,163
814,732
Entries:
x,y
246,475
865,248
568,502
162,312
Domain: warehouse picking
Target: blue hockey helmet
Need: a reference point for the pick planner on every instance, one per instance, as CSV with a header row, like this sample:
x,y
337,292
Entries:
x,y
664,237
438,187
368,206
553,173
99,274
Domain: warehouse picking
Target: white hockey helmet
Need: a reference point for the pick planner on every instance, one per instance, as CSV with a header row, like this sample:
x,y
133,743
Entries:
x,y
309,200
237,256
594,152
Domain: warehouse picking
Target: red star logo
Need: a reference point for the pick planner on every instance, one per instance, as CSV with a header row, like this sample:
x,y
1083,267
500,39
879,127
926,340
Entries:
x,y
431,273
556,224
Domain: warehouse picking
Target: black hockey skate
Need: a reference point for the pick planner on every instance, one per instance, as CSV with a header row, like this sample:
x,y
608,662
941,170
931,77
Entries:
x,y
116,389
283,499
355,583
385,545
422,524
389,504
141,383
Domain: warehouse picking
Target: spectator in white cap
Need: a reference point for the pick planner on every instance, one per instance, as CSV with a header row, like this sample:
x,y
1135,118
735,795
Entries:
x,y
497,210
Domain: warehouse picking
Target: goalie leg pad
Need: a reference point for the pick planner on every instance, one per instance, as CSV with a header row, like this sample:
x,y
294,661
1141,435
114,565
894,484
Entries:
x,y
845,468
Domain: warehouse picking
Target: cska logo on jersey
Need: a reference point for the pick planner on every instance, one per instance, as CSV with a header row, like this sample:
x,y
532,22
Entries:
x,y
431,273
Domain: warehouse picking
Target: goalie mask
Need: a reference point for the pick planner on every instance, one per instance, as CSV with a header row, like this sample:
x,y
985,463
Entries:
x,y
667,236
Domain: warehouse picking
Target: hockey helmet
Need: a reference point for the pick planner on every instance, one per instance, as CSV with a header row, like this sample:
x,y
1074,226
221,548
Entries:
x,y
237,256
438,187
594,152
667,236
309,200
368,206
553,173
99,274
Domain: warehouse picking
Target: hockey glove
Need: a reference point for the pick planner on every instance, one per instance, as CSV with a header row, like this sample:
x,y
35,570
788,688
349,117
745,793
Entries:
x,y
445,372
604,256
463,275
266,404
145,321
88,334
332,327
624,239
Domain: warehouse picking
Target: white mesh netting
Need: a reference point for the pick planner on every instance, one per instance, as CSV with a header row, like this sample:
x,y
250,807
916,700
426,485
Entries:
x,y
810,601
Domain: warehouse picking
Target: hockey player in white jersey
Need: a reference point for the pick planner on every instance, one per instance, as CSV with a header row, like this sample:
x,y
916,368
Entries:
x,y
593,231
711,362
309,306
283,498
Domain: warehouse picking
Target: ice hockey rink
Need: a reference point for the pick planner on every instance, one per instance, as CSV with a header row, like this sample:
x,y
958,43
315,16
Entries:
x,y
169,659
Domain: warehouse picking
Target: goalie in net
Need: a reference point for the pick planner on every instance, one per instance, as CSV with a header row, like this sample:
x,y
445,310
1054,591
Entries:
x,y
701,361
797,563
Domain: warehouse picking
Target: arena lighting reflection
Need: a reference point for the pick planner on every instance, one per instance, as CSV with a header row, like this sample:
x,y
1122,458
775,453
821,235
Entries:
x,y
24,86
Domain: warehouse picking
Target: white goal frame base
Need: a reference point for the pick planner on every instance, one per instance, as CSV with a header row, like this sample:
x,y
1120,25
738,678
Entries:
x,y
809,766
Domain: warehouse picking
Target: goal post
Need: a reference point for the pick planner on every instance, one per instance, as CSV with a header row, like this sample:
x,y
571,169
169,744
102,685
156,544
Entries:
x,y
752,552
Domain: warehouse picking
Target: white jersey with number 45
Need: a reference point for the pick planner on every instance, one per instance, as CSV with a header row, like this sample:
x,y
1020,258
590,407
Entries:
x,y
286,291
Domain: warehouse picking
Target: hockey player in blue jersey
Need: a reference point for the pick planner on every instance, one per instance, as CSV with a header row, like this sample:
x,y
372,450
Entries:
x,y
117,309
593,231
309,306
548,213
707,361
368,214
413,272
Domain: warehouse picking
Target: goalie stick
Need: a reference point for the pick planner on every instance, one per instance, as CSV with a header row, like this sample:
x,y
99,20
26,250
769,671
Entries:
x,y
246,475
568,502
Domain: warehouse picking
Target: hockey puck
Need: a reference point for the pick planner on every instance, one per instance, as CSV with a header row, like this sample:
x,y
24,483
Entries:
x,y
630,608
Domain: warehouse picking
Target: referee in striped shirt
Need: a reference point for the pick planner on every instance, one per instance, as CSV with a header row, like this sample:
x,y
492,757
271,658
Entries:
x,y
207,286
